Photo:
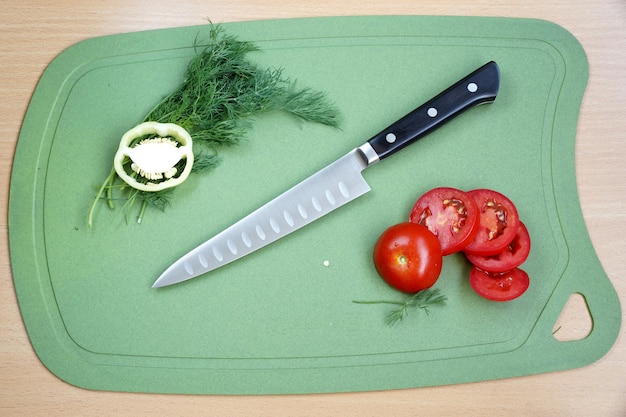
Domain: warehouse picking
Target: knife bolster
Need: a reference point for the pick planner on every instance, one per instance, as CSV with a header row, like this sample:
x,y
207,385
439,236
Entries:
x,y
368,153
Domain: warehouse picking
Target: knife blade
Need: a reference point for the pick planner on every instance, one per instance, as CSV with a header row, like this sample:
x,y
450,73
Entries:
x,y
336,184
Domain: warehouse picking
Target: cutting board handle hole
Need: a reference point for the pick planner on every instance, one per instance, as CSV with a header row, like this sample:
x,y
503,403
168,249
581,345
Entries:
x,y
575,321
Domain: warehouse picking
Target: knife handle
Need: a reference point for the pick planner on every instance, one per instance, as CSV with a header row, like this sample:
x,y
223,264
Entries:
x,y
481,86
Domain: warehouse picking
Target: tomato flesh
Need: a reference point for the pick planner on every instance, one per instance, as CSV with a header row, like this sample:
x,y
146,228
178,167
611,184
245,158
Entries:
x,y
512,256
498,226
450,214
504,286
408,257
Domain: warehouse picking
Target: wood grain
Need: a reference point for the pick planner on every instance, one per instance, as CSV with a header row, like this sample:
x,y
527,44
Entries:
x,y
33,33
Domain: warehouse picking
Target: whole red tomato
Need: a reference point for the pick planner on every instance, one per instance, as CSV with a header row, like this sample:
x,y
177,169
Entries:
x,y
408,257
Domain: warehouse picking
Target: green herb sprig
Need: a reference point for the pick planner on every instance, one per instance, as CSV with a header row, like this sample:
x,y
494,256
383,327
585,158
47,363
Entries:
x,y
422,300
221,92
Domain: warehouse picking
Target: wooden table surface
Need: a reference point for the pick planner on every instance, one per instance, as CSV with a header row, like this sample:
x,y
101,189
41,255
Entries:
x,y
34,32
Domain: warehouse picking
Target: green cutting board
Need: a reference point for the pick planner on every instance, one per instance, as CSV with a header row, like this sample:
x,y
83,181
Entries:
x,y
282,320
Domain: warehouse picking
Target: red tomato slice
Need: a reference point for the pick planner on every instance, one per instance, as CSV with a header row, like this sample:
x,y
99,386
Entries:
x,y
504,286
450,214
511,257
499,222
408,257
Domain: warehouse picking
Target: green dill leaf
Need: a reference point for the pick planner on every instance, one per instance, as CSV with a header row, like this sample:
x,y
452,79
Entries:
x,y
222,87
312,106
158,199
205,162
222,90
422,300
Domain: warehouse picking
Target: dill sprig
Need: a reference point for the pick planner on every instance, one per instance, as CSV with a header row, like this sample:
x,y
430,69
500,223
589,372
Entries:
x,y
422,300
221,92
222,88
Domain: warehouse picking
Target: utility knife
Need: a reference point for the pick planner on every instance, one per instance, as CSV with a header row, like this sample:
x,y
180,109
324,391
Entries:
x,y
336,184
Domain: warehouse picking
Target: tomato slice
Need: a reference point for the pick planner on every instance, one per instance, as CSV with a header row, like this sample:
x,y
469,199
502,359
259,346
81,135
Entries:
x,y
512,256
498,226
450,214
504,286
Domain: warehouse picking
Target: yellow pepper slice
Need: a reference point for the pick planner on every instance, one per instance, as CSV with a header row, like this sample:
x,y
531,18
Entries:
x,y
154,159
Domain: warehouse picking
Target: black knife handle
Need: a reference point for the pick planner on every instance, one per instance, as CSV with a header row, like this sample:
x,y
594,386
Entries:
x,y
481,86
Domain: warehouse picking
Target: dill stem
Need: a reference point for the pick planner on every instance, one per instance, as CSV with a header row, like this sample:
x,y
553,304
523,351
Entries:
x,y
109,189
398,303
103,187
144,204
